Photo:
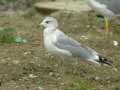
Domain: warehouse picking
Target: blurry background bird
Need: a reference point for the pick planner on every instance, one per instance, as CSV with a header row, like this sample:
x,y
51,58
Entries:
x,y
107,8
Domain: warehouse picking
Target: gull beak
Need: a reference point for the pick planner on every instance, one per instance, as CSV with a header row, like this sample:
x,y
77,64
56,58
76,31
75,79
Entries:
x,y
41,24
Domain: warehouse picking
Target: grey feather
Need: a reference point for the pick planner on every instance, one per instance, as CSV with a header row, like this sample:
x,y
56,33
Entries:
x,y
112,5
77,49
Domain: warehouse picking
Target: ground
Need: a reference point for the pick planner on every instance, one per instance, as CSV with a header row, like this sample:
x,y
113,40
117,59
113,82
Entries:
x,y
28,66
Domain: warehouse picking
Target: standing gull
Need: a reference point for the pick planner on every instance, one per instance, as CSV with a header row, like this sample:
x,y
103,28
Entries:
x,y
107,8
56,42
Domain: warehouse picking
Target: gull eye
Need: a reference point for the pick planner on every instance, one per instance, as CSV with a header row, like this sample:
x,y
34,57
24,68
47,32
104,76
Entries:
x,y
47,22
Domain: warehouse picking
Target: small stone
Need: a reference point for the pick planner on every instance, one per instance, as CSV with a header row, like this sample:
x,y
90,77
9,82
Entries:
x,y
56,65
27,53
62,83
115,69
19,39
115,43
84,37
51,73
59,78
24,41
97,78
87,26
40,88
32,76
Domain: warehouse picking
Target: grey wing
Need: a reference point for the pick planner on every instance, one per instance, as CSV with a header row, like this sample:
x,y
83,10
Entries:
x,y
77,49
113,5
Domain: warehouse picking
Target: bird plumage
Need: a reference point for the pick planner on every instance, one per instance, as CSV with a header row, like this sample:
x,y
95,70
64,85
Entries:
x,y
58,43
112,5
107,8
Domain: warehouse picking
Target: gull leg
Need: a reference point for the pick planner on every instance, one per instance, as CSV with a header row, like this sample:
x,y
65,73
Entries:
x,y
107,26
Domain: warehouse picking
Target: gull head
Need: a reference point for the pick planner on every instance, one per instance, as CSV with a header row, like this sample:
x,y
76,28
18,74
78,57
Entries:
x,y
49,22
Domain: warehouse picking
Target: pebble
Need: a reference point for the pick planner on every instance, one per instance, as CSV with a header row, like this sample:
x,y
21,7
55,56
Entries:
x,y
27,53
115,43
115,69
56,65
88,26
97,78
32,76
55,89
84,37
51,73
62,83
40,88
59,78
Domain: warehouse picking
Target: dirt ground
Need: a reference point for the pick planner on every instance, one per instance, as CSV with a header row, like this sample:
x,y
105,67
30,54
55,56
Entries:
x,y
29,66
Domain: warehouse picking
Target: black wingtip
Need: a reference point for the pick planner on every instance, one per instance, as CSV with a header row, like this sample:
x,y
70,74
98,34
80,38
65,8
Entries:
x,y
103,60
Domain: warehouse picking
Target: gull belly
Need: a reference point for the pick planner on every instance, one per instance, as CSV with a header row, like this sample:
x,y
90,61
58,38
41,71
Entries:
x,y
49,41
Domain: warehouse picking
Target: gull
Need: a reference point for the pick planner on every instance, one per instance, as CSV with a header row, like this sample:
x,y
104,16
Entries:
x,y
56,42
107,8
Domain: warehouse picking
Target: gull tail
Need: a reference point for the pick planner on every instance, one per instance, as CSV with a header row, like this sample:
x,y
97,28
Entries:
x,y
103,60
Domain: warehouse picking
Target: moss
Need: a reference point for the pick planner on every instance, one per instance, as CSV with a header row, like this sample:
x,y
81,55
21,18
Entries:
x,y
79,86
7,35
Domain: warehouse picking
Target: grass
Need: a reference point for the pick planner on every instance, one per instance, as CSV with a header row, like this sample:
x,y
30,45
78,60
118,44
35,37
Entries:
x,y
39,85
79,86
8,35
6,1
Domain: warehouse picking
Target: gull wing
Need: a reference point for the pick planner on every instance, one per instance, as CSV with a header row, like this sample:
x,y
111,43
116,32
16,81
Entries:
x,y
74,47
